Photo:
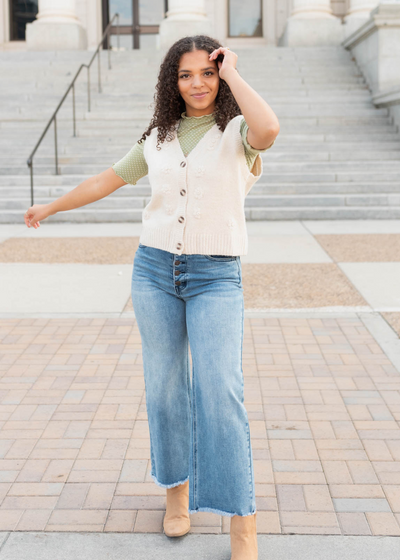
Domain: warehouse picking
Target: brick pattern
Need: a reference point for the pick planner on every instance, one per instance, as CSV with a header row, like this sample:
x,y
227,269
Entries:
x,y
324,409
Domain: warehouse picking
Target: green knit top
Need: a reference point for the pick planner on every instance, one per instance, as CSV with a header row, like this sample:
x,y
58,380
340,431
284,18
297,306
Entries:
x,y
133,165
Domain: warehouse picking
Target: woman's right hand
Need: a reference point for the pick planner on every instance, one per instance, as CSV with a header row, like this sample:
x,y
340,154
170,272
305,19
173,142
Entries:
x,y
35,213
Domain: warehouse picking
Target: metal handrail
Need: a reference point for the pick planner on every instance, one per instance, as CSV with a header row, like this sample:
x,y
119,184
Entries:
x,y
29,161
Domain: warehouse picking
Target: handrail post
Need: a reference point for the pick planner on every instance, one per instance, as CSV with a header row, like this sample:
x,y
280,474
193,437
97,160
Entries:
x,y
55,143
88,86
108,49
98,66
30,163
73,107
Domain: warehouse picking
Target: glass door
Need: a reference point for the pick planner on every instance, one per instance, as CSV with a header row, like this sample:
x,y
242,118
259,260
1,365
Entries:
x,y
21,13
137,18
245,18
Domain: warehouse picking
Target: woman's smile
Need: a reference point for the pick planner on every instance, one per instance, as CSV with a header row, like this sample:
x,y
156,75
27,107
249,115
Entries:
x,y
199,95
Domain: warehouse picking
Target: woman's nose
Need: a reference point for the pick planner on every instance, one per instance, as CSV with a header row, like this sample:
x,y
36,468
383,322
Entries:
x,y
197,81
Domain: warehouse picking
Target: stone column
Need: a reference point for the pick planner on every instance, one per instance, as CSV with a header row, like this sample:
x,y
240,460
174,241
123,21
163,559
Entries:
x,y
56,27
184,17
358,13
311,23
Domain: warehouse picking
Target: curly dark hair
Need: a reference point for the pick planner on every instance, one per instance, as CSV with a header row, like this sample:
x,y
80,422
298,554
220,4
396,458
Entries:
x,y
169,104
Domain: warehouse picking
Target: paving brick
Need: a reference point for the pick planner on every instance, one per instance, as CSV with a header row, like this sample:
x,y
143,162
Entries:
x,y
300,478
120,521
393,497
317,498
99,496
149,521
36,489
337,472
377,450
28,502
305,450
268,522
308,519
73,496
356,491
354,524
383,524
34,520
9,519
291,498
360,504
300,530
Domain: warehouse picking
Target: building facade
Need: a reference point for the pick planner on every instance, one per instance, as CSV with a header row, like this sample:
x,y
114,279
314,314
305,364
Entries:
x,y
54,24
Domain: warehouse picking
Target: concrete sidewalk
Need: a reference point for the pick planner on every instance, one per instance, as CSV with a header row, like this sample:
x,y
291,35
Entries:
x,y
112,546
300,265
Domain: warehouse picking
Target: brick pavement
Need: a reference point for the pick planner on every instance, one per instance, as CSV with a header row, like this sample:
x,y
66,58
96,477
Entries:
x,y
324,408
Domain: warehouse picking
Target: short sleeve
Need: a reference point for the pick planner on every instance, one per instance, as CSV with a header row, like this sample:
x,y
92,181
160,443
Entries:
x,y
133,165
250,152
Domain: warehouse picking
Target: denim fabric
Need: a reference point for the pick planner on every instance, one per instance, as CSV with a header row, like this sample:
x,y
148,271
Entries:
x,y
198,423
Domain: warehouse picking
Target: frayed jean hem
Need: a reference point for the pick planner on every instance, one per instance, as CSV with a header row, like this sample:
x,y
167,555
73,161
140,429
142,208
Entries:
x,y
220,512
169,485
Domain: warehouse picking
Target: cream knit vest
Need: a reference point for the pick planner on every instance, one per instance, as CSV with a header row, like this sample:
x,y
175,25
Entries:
x,y
197,202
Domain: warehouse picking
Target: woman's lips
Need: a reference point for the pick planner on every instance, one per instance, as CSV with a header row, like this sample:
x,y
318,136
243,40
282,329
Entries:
x,y
199,95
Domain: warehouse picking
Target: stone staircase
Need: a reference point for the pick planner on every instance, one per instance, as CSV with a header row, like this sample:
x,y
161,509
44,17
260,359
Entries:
x,y
336,156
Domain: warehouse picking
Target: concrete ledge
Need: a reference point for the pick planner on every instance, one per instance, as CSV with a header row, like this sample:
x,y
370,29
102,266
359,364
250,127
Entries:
x,y
55,36
126,546
311,32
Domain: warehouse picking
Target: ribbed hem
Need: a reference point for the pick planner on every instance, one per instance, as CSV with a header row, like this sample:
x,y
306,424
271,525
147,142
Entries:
x,y
200,243
169,485
220,512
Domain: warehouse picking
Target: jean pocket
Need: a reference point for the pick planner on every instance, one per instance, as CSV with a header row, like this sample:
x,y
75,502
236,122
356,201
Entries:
x,y
142,246
221,258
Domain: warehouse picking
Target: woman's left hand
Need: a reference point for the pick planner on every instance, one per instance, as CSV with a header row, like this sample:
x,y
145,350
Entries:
x,y
229,62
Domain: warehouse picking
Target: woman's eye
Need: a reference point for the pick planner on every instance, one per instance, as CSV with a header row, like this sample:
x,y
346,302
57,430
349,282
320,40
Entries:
x,y
208,72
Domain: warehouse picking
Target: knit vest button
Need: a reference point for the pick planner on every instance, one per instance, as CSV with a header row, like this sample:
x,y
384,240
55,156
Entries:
x,y
183,192
178,245
181,219
183,163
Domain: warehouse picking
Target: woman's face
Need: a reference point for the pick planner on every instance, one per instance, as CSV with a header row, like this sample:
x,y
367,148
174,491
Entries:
x,y
198,75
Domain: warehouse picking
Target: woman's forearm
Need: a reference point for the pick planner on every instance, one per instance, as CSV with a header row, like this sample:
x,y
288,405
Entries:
x,y
85,193
257,113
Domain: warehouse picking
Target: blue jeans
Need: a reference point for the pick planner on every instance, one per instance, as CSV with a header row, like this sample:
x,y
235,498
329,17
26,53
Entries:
x,y
198,424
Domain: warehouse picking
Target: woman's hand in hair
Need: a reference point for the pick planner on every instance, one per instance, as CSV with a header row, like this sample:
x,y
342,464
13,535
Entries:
x,y
228,62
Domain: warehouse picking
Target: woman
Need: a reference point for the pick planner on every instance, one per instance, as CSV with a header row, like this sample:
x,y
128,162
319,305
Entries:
x,y
202,154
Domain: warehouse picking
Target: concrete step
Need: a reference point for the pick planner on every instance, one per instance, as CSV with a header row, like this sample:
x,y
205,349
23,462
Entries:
x,y
54,191
254,201
293,213
291,156
337,155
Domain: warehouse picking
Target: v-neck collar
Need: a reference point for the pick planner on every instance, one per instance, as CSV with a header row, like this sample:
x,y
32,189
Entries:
x,y
176,139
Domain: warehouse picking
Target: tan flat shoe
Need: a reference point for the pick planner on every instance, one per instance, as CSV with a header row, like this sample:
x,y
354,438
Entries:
x,y
176,520
243,531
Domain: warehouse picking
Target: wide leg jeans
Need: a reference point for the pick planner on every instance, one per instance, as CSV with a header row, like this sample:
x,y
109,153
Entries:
x,y
198,424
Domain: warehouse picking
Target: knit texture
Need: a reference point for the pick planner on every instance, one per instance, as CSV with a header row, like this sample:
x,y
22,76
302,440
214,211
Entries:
x,y
197,202
133,165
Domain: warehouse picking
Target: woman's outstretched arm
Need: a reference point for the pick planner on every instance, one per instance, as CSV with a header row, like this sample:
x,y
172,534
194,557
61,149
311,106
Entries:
x,y
261,119
88,191
129,169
